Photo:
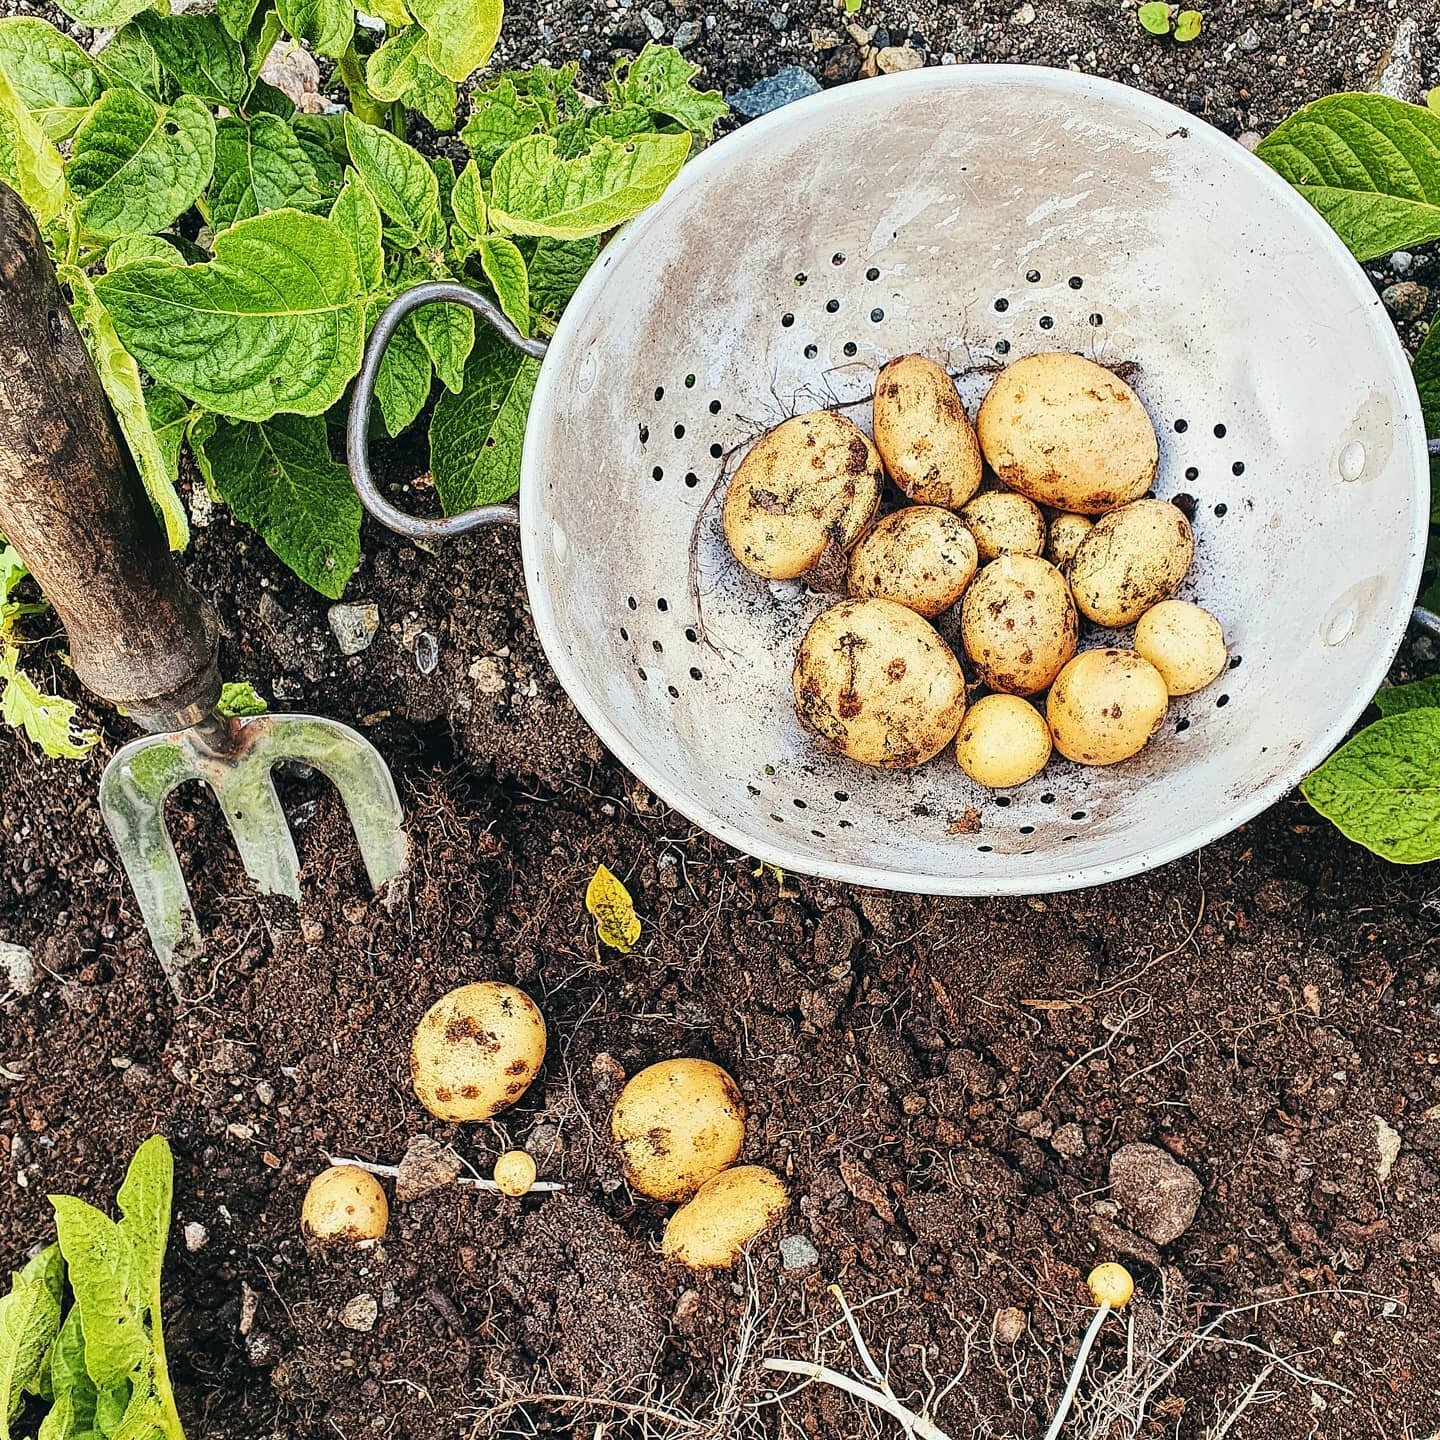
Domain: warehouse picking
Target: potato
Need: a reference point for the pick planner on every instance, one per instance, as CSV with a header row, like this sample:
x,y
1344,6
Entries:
x,y
728,1212
1132,558
344,1205
675,1125
921,557
1105,705
1068,433
1004,523
1066,533
514,1173
923,433
1018,624
1184,643
476,1050
802,495
874,681
1003,741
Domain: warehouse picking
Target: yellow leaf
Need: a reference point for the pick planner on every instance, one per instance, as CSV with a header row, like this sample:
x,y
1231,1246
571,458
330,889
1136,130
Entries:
x,y
615,919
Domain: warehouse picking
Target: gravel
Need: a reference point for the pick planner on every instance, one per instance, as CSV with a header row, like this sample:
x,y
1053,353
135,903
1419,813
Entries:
x,y
354,625
1158,1196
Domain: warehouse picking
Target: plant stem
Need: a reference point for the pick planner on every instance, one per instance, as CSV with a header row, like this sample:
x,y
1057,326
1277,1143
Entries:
x,y
1068,1398
914,1424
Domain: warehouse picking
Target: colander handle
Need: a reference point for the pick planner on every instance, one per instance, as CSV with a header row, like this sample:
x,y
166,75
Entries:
x,y
357,428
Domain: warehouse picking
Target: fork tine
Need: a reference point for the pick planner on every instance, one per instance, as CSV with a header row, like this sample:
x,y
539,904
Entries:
x,y
245,789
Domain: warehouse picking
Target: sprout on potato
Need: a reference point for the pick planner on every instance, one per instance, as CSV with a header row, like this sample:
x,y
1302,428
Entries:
x,y
1004,523
874,681
514,1173
344,1205
921,557
476,1050
675,1125
1066,533
1018,624
1003,741
1132,558
1184,643
923,433
1105,705
728,1212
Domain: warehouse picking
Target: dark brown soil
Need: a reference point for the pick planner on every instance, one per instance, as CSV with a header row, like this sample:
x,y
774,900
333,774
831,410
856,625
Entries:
x,y
941,1083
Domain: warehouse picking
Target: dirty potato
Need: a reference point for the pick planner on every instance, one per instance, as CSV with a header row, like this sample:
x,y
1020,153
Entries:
x,y
802,495
874,681
1184,643
1018,624
1063,540
1003,741
344,1206
1004,523
712,1231
1068,433
921,557
1105,705
1132,558
923,433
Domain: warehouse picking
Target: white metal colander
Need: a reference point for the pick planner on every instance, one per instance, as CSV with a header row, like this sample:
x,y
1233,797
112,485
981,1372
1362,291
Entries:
x,y
974,214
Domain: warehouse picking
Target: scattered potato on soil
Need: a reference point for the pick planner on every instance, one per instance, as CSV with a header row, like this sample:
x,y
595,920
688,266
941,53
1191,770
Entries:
x,y
1004,523
675,1125
476,1050
728,1212
344,1205
1018,624
802,496
514,1173
1066,533
1068,433
923,433
921,557
875,681
1133,558
1184,643
1003,741
1105,705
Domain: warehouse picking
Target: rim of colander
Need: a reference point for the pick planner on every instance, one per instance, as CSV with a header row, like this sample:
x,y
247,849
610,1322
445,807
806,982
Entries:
x,y
697,172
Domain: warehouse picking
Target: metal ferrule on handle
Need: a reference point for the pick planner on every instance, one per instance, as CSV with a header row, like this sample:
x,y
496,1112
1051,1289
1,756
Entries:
x,y
357,443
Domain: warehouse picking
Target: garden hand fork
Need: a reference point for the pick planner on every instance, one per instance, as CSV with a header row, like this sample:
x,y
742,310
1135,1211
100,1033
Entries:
x,y
73,506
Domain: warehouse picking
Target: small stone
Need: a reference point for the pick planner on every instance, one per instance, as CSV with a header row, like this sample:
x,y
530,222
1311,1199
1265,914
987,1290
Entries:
x,y
264,1092
489,678
197,1237
312,931
1025,15
262,1350
798,1253
686,34
840,64
17,968
778,19
687,1311
1402,262
1406,299
791,83
1009,1325
653,24
609,1073
895,58
1157,1194
249,1308
360,1313
913,1103
354,625
426,1166
1033,1122
1250,139
1387,1143
202,507
1069,1141
427,652
292,71
1249,41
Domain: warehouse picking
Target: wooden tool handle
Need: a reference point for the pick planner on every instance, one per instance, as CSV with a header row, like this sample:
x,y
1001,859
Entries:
x,y
73,506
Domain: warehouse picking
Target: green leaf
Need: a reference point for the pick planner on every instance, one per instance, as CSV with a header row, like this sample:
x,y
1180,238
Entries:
x,y
59,1422
29,161
144,1199
462,33
1155,17
1382,788
46,720
240,697
357,217
273,323
280,479
657,82
257,41
391,70
70,1382
260,166
402,385
1188,25
53,77
397,175
101,14
199,55
506,271
101,1262
1369,164
326,24
169,413
467,203
322,137
130,248
236,15
556,269
130,60
500,117
448,334
393,12
136,165
1419,695
29,1323
477,435
534,192
435,97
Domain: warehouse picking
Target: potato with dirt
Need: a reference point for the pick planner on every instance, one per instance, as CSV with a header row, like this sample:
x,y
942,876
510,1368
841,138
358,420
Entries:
x,y
344,1205
1184,642
921,557
1133,558
874,681
1069,434
1105,705
1003,741
923,433
1004,523
1018,624
801,497
712,1231
1066,532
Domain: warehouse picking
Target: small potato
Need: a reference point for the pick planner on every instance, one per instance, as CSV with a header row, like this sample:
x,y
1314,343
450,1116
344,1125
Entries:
x,y
1018,624
1132,558
802,495
921,557
1066,533
923,433
514,1173
1105,705
711,1232
344,1205
1068,433
1184,643
875,682
1003,741
1004,523
476,1050
675,1125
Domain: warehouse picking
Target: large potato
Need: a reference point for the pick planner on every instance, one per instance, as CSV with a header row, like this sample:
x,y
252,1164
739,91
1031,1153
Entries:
x,y
1004,523
875,682
476,1050
344,1205
1105,705
728,1212
1068,433
923,433
675,1125
1066,533
1018,624
802,495
921,557
1132,558
1184,643
1003,741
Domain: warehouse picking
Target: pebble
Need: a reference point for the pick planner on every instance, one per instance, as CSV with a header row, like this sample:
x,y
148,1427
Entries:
x,y
1250,139
202,507
1069,1141
1402,262
1025,15
1158,1195
427,652
791,83
354,625
778,19
264,1092
1249,41
1406,299
686,34
798,1253
489,678
197,1237
895,58
653,24
360,1313
292,70
17,966
427,1166
1387,1143
1009,1325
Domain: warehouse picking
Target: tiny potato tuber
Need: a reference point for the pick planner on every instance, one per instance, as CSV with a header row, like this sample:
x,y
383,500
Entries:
x,y
344,1205
514,1173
